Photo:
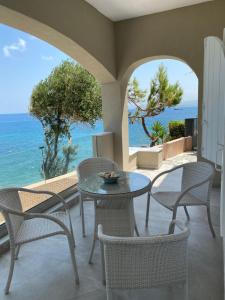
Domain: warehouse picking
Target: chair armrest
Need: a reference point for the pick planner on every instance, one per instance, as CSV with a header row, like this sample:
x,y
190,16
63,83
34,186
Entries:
x,y
165,172
189,189
44,192
30,215
48,217
65,206
5,209
35,215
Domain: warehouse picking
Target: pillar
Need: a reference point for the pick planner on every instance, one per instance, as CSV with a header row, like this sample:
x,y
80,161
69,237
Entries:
x,y
115,119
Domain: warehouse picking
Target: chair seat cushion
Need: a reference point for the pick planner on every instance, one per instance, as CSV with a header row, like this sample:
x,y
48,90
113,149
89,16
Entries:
x,y
168,199
37,228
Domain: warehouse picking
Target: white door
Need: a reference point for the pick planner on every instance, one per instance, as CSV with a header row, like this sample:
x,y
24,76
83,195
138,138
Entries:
x,y
222,199
213,100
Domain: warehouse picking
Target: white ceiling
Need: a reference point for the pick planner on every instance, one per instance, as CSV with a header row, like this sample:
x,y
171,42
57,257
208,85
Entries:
x,y
117,10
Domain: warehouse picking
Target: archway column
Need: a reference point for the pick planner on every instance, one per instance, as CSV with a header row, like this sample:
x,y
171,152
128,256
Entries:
x,y
115,119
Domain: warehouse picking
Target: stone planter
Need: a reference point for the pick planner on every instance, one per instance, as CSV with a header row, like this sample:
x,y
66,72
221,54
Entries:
x,y
152,157
145,158
176,147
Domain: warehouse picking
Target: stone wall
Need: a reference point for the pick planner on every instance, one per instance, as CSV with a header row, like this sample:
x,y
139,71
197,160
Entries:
x,y
152,157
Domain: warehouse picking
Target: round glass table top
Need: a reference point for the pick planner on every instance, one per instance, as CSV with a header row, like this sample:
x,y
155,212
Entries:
x,y
128,182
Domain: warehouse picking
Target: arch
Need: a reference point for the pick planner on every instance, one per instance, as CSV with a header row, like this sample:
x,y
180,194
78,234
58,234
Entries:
x,y
61,40
127,74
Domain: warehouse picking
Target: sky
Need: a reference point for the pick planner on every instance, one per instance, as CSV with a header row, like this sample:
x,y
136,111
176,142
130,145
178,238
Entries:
x,y
25,60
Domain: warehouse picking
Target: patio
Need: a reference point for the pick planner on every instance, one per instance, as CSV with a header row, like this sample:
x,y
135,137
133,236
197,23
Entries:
x,y
44,271
101,38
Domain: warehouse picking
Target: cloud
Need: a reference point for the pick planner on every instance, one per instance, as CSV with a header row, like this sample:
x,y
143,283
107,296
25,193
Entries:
x,y
20,46
44,57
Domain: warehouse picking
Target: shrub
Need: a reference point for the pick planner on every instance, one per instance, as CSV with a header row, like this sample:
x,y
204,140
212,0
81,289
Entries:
x,y
159,133
176,129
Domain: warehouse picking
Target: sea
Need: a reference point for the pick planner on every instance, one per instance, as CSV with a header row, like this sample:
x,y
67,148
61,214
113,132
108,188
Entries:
x,y
21,135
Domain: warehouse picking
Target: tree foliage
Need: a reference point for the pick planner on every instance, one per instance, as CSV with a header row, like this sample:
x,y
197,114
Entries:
x,y
162,94
176,129
68,95
158,132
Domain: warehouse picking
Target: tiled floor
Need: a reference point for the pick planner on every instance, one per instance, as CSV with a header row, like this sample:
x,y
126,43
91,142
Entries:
x,y
43,270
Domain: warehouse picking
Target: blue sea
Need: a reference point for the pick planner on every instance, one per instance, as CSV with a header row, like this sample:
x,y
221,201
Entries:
x,y
21,136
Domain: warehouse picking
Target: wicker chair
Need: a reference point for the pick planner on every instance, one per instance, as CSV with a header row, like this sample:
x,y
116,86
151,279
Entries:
x,y
25,227
144,262
115,215
90,167
196,185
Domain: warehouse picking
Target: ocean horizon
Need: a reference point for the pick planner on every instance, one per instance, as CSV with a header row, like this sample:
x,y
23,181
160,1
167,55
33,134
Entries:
x,y
21,135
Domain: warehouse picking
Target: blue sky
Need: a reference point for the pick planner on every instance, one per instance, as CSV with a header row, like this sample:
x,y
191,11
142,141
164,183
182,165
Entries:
x,y
25,60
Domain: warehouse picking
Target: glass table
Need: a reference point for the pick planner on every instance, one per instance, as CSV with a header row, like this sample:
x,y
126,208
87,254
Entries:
x,y
114,202
129,184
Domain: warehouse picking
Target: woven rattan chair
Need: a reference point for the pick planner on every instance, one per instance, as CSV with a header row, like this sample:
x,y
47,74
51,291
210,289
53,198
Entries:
x,y
25,227
196,185
144,262
88,167
113,214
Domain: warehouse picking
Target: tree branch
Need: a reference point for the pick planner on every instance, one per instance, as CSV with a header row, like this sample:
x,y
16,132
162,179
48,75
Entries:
x,y
145,127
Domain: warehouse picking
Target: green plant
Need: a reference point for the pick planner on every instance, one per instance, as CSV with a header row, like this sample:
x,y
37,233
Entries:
x,y
158,133
68,95
162,95
176,129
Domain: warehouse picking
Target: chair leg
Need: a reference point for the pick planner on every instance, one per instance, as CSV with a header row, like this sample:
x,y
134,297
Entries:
x,y
92,250
73,238
103,263
71,246
186,290
109,294
95,233
17,252
93,246
80,206
82,218
172,225
210,221
186,212
136,230
147,210
12,263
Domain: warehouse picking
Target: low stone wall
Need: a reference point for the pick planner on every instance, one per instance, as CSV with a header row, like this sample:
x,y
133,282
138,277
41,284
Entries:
x,y
60,185
176,147
152,157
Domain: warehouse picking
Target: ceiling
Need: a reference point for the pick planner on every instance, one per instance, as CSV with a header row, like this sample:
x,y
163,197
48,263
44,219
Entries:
x,y
117,10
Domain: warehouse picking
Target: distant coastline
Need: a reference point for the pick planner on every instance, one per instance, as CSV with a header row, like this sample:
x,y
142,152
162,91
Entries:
x,y
21,135
191,104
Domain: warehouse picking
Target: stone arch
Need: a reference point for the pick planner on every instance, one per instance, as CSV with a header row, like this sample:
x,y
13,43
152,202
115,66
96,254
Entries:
x,y
125,79
127,74
59,39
